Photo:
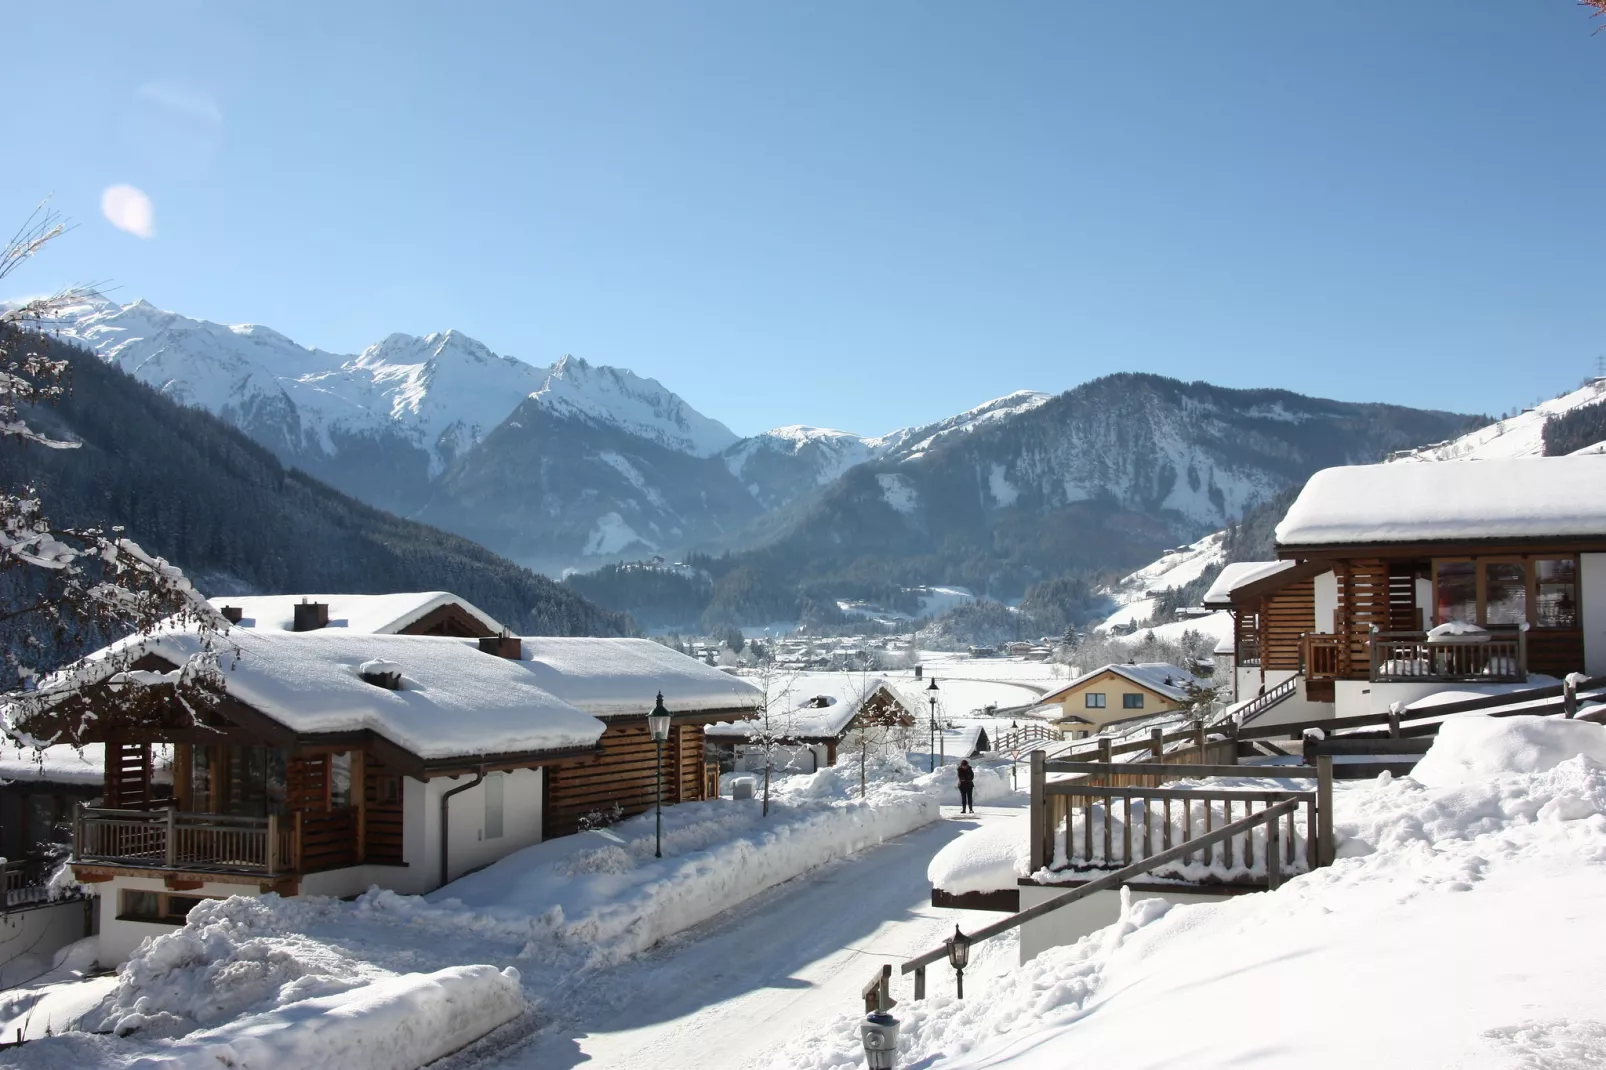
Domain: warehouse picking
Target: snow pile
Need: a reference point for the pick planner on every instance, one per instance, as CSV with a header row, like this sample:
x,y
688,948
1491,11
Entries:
x,y
1471,748
1460,927
986,859
394,1023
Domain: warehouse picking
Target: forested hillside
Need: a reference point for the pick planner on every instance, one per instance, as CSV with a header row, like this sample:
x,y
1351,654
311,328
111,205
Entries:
x,y
193,489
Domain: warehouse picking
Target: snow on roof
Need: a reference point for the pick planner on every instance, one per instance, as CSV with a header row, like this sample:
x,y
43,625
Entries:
x,y
64,763
1157,676
1240,574
991,858
1515,498
376,614
454,701
618,677
814,705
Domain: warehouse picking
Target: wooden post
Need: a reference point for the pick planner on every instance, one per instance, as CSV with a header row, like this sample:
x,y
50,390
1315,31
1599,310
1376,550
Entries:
x,y
1274,856
1394,720
295,842
920,982
172,836
271,851
1324,809
1569,697
1232,743
78,830
1105,746
1040,832
1157,743
1199,740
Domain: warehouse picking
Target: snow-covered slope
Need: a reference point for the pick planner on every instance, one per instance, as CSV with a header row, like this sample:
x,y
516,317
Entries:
x,y
1518,436
910,442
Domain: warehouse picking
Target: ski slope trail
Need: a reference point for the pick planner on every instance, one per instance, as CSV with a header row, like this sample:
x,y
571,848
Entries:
x,y
717,996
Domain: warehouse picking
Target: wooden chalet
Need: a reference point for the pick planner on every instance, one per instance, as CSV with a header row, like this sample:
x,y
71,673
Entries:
x,y
1394,581
328,760
812,719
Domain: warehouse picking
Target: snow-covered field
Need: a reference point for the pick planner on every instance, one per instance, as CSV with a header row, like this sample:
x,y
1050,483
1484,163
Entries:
x,y
1460,927
555,912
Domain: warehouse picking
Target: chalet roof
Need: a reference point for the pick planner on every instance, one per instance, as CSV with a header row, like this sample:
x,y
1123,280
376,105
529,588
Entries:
x,y
455,701
1514,498
1240,574
817,706
374,614
1156,676
622,677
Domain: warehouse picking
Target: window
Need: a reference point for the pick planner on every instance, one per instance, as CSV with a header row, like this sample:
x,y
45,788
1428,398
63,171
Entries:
x,y
1505,592
493,804
1457,586
164,908
1556,593
1131,702
340,780
1094,700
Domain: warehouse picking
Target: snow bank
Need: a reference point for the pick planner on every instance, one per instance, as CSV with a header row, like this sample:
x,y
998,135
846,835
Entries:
x,y
399,1023
986,859
1471,748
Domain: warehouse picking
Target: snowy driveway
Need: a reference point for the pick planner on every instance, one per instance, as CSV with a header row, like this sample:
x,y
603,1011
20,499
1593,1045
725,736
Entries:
x,y
719,995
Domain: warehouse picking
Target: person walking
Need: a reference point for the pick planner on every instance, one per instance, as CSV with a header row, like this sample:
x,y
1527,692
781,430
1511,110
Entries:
x,y
967,788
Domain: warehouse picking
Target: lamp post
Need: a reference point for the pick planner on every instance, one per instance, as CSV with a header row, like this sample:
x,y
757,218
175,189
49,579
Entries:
x,y
658,725
931,693
959,957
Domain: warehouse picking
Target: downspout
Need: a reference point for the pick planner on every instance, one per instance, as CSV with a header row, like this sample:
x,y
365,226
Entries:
x,y
446,825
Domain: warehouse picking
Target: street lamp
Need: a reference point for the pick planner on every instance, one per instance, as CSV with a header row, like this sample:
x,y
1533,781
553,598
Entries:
x,y
879,1031
658,725
931,693
958,957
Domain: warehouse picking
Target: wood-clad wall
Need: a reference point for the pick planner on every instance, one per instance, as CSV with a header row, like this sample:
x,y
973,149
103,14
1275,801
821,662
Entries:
x,y
625,774
1363,602
381,832
128,777
1285,617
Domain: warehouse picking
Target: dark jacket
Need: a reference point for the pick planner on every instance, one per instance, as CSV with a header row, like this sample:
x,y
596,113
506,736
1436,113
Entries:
x,y
967,775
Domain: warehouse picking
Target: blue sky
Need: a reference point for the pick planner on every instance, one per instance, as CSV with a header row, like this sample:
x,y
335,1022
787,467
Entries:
x,y
858,215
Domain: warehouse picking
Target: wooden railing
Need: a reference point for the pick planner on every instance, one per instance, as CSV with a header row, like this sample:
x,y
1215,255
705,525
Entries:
x,y
1321,656
170,840
1087,822
1248,653
1410,656
1248,711
1270,816
25,881
1020,740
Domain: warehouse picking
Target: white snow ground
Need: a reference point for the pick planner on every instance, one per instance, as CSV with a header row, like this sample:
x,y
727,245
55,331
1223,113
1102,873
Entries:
x,y
1461,927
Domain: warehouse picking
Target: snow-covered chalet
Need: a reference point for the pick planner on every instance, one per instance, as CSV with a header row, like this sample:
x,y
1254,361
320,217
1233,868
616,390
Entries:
x,y
394,740
1397,581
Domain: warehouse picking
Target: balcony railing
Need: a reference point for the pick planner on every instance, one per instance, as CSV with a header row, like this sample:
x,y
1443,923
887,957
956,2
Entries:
x,y
170,840
1405,657
1248,652
1321,656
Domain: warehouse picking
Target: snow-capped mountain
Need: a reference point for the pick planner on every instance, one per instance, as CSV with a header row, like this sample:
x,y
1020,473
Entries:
x,y
781,465
613,397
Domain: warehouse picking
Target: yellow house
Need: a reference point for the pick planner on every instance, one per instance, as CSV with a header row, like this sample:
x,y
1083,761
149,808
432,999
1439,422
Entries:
x,y
1119,693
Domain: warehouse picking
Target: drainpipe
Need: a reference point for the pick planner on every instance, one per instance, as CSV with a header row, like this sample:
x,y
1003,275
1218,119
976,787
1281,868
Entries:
x,y
446,813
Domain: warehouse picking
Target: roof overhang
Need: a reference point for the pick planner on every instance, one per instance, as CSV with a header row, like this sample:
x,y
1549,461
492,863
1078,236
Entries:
x,y
1269,585
1571,544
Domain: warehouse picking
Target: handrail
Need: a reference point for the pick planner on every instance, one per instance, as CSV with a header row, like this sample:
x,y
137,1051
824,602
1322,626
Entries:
x,y
1264,701
1268,816
1291,772
1367,720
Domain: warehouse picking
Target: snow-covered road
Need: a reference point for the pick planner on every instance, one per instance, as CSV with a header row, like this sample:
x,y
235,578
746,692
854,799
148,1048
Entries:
x,y
716,996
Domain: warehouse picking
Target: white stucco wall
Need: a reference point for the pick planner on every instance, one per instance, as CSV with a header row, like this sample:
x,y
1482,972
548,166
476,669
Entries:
x,y
1069,924
470,850
1326,602
1592,599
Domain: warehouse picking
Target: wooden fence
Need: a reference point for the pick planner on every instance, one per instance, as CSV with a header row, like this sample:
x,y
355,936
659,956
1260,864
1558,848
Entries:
x,y
168,839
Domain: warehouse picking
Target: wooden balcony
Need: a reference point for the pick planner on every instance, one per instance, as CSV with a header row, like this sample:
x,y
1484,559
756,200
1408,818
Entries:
x,y
1410,657
170,841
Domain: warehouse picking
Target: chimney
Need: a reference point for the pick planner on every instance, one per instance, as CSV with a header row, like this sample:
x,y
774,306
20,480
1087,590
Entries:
x,y
232,614
503,646
385,674
310,616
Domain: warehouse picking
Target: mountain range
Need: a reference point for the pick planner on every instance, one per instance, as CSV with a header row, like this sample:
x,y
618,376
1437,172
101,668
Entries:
x,y
576,466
